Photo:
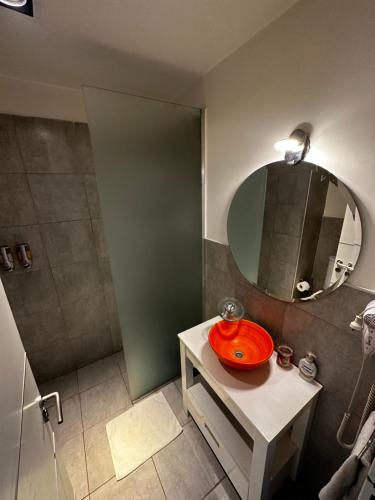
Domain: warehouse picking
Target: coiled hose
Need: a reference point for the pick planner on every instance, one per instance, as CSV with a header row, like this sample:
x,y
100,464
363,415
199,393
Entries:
x,y
369,406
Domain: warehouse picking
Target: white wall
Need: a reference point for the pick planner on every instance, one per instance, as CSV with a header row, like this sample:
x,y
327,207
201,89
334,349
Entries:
x,y
12,362
23,97
335,202
314,64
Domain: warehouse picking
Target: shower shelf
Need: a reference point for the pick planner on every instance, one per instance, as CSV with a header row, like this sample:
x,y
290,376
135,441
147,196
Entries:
x,y
255,422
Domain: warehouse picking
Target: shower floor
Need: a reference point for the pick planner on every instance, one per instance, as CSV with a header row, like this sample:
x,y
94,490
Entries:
x,y
185,469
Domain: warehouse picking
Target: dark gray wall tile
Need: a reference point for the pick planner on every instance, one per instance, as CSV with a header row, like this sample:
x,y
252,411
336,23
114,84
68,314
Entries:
x,y
59,197
30,293
10,156
323,455
293,187
218,276
92,196
338,352
111,307
86,315
79,139
41,329
281,278
272,187
25,234
74,281
69,242
91,347
218,285
262,309
110,298
105,270
44,145
288,219
115,327
269,218
217,255
101,246
48,164
16,204
30,133
51,362
338,308
54,146
285,248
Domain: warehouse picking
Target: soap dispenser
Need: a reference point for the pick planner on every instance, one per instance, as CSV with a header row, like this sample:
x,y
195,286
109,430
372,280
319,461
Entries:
x,y
307,367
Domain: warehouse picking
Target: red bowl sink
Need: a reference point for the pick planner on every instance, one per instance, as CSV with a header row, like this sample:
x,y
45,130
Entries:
x,y
243,345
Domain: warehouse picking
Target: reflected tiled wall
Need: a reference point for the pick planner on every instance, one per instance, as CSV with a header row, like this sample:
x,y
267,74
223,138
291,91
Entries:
x,y
64,306
284,212
321,326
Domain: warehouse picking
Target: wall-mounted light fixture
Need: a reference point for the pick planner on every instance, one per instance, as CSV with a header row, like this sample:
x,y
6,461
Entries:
x,y
23,6
295,146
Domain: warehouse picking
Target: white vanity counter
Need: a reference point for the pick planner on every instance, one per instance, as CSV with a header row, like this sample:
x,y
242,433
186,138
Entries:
x,y
274,406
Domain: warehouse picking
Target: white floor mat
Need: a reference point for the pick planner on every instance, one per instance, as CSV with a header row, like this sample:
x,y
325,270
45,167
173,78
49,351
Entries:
x,y
140,432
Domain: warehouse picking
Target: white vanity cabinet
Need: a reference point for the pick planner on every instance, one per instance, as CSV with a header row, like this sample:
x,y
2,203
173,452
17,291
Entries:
x,y
256,422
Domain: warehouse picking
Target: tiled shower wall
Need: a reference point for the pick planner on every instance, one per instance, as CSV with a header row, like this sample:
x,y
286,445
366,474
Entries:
x,y
321,326
64,306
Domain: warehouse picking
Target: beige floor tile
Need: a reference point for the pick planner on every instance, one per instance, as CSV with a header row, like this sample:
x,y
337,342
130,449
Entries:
x,y
187,468
178,384
72,424
104,400
121,361
197,379
142,484
212,468
98,455
223,491
174,398
98,372
66,386
72,453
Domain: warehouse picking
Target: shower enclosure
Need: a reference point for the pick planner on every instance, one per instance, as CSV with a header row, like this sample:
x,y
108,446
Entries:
x,y
148,166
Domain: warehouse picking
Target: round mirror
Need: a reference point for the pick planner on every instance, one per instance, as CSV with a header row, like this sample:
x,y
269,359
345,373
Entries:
x,y
294,231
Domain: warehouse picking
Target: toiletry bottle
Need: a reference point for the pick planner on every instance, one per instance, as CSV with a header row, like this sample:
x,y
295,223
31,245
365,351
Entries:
x,y
307,367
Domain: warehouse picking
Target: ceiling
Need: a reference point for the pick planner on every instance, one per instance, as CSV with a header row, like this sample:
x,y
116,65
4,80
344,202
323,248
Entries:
x,y
150,47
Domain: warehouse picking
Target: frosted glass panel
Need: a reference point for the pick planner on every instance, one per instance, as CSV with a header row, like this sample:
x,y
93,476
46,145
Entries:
x,y
148,167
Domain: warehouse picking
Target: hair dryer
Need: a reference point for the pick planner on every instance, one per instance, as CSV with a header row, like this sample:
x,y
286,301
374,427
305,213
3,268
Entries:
x,y
365,322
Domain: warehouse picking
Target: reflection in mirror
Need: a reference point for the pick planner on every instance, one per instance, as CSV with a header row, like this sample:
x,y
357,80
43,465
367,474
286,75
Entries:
x,y
294,231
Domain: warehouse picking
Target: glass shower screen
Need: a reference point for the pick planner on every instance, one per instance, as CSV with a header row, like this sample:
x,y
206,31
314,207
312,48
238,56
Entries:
x,y
148,167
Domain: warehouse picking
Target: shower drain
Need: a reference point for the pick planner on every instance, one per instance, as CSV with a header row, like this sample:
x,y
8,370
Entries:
x,y
239,354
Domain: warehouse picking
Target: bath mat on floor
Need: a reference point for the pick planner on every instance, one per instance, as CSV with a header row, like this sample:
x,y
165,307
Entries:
x,y
140,432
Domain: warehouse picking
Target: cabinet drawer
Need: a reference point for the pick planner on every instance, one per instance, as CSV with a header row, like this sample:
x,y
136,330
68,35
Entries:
x,y
231,450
